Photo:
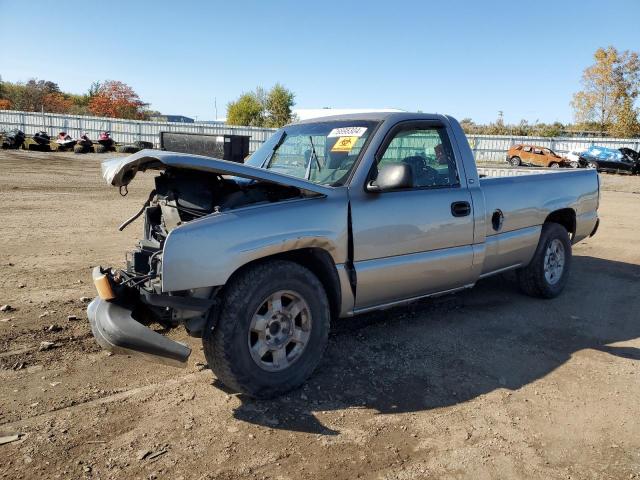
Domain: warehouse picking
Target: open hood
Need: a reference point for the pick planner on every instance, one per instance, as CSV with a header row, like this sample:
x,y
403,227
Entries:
x,y
120,171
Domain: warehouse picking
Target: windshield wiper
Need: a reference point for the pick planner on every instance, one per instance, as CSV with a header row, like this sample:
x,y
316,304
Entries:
x,y
266,161
312,157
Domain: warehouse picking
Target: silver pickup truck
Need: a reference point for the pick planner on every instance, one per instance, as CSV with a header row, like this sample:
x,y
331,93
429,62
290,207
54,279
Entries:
x,y
328,219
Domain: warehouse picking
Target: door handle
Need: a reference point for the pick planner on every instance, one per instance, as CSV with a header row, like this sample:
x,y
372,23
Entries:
x,y
460,209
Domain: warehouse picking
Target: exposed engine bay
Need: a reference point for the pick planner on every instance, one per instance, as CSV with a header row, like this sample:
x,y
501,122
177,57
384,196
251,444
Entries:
x,y
181,196
184,195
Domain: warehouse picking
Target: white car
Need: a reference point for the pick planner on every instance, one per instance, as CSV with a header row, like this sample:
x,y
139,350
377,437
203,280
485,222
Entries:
x,y
574,157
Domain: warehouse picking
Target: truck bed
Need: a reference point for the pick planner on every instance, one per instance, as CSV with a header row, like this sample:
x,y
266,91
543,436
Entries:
x,y
527,196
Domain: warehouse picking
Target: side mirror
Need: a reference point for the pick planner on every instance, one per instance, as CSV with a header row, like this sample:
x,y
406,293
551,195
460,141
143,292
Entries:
x,y
394,176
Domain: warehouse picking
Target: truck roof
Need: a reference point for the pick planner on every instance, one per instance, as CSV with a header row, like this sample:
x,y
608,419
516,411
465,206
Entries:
x,y
377,116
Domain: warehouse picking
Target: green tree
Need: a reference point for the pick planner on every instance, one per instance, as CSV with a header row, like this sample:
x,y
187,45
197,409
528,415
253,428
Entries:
x,y
278,105
247,110
554,129
261,108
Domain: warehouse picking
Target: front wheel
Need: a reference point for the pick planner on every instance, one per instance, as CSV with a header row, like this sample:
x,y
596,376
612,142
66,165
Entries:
x,y
271,331
548,272
515,161
554,165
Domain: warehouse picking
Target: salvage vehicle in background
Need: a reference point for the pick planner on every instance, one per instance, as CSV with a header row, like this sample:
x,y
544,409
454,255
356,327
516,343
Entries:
x,y
13,139
603,159
574,158
328,219
535,156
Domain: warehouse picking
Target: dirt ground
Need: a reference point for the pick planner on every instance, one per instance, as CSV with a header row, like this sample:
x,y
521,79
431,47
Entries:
x,y
483,384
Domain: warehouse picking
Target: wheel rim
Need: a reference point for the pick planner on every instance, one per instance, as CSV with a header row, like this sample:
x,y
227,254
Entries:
x,y
515,162
555,165
554,259
280,330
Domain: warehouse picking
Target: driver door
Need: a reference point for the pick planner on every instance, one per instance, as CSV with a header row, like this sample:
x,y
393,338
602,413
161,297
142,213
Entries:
x,y
413,242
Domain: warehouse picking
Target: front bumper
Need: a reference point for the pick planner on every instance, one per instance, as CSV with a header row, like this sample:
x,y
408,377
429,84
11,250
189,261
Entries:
x,y
115,329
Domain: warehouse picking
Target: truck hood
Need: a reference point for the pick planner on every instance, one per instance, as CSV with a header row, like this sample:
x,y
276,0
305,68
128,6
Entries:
x,y
120,171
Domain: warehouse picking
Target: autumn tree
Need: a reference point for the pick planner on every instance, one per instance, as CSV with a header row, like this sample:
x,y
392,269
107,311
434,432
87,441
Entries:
x,y
57,103
626,123
262,109
613,78
116,99
29,96
5,103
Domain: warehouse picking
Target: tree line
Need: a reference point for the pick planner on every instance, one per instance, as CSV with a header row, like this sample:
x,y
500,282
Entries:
x,y
110,98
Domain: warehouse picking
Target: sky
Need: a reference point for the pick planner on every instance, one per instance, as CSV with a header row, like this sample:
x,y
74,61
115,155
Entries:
x,y
468,59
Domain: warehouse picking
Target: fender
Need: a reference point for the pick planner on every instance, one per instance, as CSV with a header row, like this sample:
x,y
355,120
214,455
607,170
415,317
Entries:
x,y
206,252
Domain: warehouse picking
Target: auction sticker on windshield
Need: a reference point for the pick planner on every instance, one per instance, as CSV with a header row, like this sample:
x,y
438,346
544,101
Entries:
x,y
344,144
347,132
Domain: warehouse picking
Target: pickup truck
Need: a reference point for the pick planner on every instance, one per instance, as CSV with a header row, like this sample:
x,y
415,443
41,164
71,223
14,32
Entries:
x,y
328,219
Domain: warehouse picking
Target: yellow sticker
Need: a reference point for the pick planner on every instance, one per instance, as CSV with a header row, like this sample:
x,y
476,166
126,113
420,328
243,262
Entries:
x,y
344,144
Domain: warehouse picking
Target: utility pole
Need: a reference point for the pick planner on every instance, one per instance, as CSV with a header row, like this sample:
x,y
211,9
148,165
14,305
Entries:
x,y
215,106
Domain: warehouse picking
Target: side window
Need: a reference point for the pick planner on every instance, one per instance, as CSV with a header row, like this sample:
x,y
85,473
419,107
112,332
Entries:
x,y
527,149
537,151
428,152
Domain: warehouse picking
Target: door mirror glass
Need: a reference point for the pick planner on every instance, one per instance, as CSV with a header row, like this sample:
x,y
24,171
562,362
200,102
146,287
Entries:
x,y
393,176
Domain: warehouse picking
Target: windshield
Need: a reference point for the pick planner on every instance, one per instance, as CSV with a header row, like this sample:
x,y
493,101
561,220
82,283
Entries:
x,y
323,152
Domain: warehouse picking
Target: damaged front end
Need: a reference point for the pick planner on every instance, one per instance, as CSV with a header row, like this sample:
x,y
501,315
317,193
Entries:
x,y
188,188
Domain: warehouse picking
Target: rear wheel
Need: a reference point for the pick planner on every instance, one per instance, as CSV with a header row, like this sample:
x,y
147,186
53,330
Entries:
x,y
548,272
98,148
554,165
271,331
593,165
515,161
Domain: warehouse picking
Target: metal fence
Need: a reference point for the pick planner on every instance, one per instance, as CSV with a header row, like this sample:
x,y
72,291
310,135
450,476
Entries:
x,y
485,147
494,147
123,131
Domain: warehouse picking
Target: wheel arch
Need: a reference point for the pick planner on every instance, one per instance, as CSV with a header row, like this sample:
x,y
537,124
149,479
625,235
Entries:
x,y
565,217
315,259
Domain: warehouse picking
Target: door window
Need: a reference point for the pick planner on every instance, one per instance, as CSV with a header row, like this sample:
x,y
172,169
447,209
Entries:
x,y
428,152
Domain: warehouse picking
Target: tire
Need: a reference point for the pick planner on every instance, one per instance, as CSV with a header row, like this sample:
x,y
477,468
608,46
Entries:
x,y
126,149
537,281
143,145
554,165
98,148
515,161
78,149
229,342
593,165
